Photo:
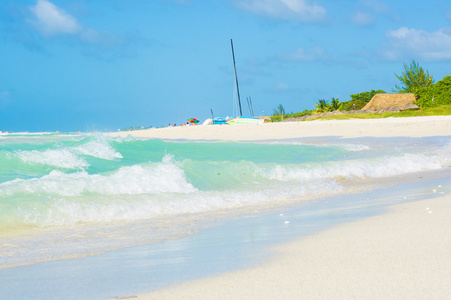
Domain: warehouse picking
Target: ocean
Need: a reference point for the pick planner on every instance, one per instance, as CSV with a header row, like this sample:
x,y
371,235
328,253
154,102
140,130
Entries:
x,y
65,196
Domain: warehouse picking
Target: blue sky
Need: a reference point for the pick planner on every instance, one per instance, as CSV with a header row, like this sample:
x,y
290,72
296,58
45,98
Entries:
x,y
84,65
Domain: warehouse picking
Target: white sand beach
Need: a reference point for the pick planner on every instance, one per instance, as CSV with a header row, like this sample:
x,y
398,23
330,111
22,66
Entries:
x,y
404,254
400,255
391,127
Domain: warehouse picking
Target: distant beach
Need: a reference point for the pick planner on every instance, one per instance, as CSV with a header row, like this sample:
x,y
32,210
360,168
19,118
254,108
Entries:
x,y
390,127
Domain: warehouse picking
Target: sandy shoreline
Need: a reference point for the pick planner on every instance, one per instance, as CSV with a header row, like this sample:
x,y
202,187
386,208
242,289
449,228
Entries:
x,y
403,254
391,127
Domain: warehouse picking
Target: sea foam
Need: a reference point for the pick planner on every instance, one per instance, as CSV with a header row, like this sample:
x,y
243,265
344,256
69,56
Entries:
x,y
98,148
96,179
138,179
62,158
71,157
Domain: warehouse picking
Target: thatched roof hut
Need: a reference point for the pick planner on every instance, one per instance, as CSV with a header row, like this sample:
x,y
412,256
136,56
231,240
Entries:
x,y
380,101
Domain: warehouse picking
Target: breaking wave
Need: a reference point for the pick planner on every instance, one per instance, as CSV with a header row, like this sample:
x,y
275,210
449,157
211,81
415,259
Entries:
x,y
96,179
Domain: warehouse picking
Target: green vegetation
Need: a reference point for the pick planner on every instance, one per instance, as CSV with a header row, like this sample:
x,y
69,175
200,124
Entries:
x,y
443,110
413,78
435,95
279,111
433,99
334,104
278,118
358,101
322,106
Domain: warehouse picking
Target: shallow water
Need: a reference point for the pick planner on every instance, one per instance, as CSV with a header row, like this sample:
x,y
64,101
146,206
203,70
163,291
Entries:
x,y
65,180
231,244
73,195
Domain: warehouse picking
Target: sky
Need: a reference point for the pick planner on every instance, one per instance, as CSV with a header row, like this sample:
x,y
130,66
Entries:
x,y
104,65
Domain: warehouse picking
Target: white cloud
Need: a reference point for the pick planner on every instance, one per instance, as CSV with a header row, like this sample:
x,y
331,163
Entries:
x,y
302,55
299,10
281,86
431,46
5,98
51,20
363,19
377,6
370,11
183,2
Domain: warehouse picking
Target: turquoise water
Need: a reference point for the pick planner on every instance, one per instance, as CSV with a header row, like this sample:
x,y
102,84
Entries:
x,y
233,245
89,193
63,180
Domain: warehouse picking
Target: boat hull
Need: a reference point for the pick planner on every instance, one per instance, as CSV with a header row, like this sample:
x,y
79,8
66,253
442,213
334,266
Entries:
x,y
244,120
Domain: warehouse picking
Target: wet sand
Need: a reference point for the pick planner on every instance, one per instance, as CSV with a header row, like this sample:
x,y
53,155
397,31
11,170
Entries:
x,y
403,254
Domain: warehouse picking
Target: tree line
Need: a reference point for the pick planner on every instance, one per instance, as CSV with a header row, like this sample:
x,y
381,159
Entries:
x,y
414,79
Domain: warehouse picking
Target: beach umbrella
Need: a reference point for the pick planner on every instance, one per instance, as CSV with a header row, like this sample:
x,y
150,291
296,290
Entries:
x,y
193,121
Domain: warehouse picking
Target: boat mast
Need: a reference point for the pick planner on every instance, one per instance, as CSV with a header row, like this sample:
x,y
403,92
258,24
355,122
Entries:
x,y
236,78
249,104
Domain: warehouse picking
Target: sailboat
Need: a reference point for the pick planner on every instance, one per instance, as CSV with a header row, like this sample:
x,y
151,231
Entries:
x,y
240,119
216,120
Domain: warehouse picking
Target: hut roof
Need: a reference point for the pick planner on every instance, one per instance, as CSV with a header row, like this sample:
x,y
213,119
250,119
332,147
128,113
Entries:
x,y
380,101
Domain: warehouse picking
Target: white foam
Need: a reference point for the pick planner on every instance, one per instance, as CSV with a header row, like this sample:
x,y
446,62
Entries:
x,y
69,210
62,158
143,191
354,147
347,147
363,168
164,177
99,149
69,157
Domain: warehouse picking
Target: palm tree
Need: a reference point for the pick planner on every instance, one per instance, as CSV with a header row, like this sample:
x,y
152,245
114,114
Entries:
x,y
279,110
334,104
321,106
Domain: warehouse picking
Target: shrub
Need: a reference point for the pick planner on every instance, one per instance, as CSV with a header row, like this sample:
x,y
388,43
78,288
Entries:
x,y
358,101
435,95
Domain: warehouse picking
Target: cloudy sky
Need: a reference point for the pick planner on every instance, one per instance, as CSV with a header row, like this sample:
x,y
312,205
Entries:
x,y
84,65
